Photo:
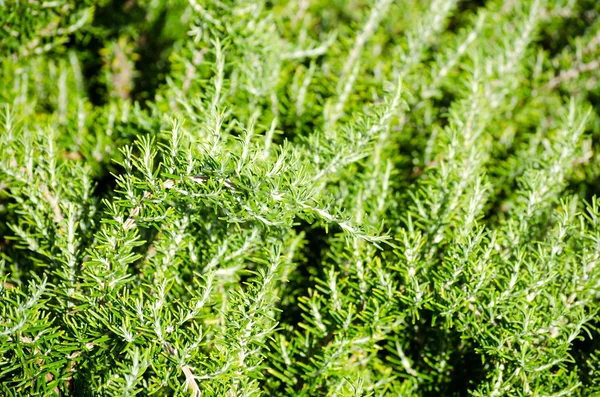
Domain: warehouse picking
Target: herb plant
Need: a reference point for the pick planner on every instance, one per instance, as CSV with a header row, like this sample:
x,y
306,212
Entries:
x,y
299,198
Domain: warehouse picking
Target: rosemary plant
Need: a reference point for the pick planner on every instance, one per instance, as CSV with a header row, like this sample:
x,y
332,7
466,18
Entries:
x,y
299,198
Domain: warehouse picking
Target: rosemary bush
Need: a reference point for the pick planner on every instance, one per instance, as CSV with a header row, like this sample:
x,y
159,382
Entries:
x,y
299,198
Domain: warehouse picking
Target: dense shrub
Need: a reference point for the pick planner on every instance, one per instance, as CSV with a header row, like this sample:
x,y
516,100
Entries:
x,y
299,198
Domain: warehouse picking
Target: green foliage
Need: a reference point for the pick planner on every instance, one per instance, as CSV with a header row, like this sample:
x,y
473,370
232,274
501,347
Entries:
x,y
299,198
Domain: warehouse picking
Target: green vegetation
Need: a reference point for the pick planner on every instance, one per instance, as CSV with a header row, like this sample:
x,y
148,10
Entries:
x,y
299,198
